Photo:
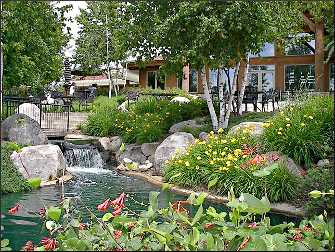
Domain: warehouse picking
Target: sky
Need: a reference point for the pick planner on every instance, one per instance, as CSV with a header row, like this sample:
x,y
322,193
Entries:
x,y
77,5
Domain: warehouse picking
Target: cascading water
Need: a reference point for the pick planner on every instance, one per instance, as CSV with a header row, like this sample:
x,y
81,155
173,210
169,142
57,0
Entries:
x,y
84,159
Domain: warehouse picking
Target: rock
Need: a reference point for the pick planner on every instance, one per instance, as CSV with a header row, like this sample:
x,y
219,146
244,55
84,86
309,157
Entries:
x,y
121,167
168,147
180,99
323,163
29,109
179,127
127,161
132,152
44,161
80,137
110,143
106,156
255,127
149,149
145,167
274,156
23,130
151,159
203,136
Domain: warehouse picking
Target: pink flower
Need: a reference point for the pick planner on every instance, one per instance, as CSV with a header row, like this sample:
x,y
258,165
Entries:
x,y
117,234
104,206
49,243
117,211
119,201
258,159
14,210
252,225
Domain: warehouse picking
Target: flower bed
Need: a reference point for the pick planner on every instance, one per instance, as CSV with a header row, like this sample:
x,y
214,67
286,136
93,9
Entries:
x,y
226,161
303,131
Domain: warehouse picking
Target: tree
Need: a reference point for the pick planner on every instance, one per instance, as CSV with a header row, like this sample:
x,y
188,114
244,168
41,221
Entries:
x,y
33,39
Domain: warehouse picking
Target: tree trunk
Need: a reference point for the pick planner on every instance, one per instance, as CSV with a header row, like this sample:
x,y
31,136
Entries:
x,y
222,104
204,77
231,96
243,85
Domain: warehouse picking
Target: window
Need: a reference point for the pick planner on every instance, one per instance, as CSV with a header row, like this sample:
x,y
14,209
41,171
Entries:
x,y
155,81
193,81
299,77
180,83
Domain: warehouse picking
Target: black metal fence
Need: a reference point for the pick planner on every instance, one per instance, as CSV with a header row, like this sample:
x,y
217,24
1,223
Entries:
x,y
54,117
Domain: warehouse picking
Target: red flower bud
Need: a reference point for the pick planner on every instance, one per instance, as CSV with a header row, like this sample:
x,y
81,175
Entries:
x,y
29,246
82,226
117,211
117,234
49,243
14,210
104,206
209,225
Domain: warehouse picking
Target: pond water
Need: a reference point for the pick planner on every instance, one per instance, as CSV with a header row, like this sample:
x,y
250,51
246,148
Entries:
x,y
93,185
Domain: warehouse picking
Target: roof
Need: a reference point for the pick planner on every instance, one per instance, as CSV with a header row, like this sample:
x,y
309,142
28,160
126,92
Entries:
x,y
157,61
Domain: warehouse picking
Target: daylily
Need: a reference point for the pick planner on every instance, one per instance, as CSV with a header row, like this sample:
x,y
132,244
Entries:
x,y
49,243
119,201
117,234
14,210
104,206
244,243
257,160
131,225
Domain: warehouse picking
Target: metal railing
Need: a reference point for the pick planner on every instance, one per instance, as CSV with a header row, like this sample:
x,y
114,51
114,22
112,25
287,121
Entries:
x,y
50,116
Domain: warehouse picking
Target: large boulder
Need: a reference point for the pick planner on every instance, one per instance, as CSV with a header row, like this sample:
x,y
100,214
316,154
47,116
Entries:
x,y
177,141
44,161
179,127
30,110
23,130
256,128
132,152
148,149
110,143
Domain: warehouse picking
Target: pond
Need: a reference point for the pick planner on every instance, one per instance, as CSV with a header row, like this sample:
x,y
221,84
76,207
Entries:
x,y
93,185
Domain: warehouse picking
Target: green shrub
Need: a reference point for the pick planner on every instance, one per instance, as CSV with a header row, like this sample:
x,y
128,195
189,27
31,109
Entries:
x,y
227,161
148,119
320,179
11,178
303,131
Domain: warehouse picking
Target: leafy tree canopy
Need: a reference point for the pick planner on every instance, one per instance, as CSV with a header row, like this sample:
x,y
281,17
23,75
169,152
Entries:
x,y
33,39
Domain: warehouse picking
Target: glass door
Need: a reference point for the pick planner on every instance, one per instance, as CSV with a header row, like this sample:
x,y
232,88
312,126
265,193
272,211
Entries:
x,y
261,78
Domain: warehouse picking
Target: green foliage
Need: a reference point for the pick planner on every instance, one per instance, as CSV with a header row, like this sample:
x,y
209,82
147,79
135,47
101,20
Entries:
x,y
11,178
147,120
4,245
320,179
224,162
304,131
176,228
34,183
32,53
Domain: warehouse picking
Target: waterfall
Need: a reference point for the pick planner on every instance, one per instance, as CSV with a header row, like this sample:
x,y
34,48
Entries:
x,y
81,159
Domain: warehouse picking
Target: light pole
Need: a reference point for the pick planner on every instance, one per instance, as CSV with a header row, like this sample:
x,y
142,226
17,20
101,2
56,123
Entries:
x,y
108,70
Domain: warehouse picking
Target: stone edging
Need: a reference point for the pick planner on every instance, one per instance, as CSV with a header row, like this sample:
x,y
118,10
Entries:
x,y
283,208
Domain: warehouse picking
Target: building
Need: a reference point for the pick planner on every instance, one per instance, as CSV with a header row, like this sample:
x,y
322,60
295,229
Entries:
x,y
275,67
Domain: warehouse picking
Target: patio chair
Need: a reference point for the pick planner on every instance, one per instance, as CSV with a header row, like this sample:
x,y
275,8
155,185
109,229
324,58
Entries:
x,y
250,97
271,96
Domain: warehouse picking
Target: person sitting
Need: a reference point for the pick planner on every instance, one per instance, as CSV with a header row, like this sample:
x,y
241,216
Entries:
x,y
72,89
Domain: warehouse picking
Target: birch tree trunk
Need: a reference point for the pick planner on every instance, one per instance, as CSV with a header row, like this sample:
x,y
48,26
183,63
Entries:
x,y
243,85
209,100
222,105
231,96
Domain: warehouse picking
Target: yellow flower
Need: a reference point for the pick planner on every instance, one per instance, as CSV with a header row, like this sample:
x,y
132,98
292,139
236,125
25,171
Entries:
x,y
206,152
266,125
198,157
230,157
282,112
226,148
302,124
214,153
211,162
228,163
244,156
220,130
212,132
237,152
223,153
179,161
287,119
279,133
187,163
310,117
288,125
243,138
223,168
224,141
233,140
280,129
